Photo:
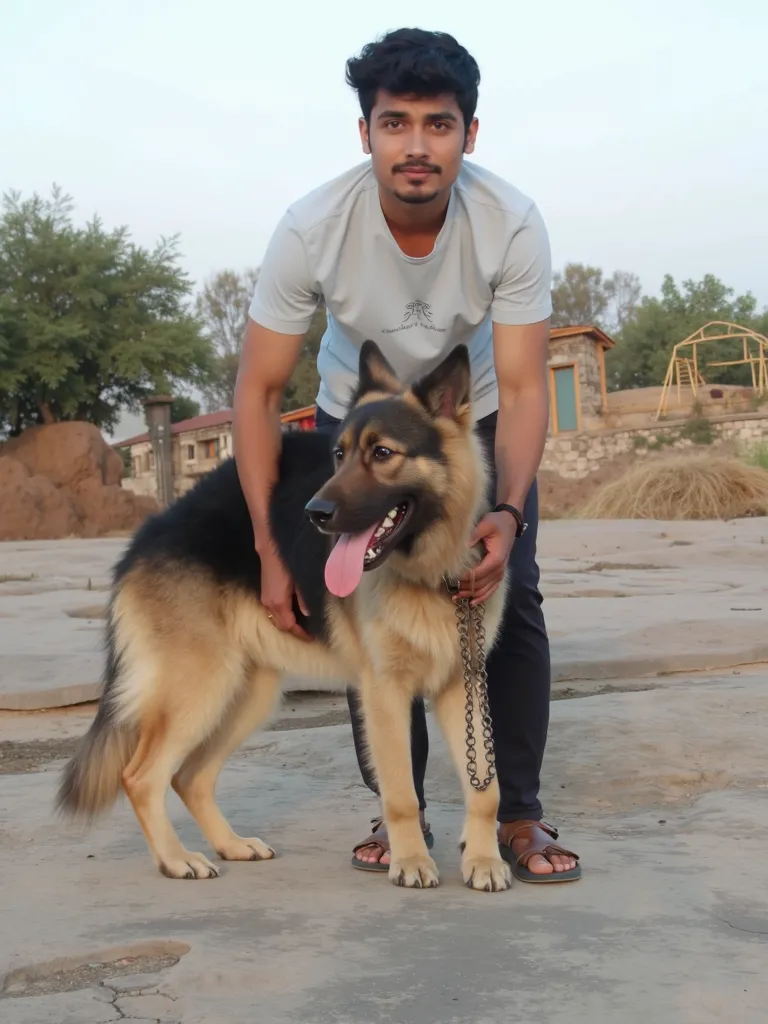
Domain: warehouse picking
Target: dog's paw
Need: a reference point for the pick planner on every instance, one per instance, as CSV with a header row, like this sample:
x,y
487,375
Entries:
x,y
190,865
487,874
246,849
417,872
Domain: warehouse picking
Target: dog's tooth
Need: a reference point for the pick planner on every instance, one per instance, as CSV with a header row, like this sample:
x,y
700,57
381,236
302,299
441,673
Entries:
x,y
393,512
388,523
379,532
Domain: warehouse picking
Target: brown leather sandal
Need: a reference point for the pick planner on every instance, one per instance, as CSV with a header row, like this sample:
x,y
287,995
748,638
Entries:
x,y
538,836
378,837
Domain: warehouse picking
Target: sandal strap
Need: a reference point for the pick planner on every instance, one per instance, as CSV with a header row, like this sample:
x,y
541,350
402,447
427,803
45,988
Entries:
x,y
537,835
381,840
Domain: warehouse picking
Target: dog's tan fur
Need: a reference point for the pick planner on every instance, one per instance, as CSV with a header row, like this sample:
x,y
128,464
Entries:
x,y
202,665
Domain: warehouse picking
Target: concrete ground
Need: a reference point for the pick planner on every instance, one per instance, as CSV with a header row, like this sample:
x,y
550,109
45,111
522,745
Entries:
x,y
655,774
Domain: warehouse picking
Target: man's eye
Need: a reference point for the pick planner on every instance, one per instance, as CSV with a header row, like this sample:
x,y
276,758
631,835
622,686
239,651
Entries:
x,y
381,453
393,124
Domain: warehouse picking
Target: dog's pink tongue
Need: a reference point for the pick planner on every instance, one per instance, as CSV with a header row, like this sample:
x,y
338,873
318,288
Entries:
x,y
344,568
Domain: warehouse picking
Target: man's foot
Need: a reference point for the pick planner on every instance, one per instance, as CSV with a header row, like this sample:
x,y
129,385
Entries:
x,y
528,846
373,853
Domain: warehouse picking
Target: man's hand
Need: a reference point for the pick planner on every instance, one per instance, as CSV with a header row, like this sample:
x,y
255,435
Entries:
x,y
277,590
497,532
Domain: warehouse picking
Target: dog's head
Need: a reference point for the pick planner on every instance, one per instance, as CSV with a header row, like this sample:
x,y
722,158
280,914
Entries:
x,y
407,465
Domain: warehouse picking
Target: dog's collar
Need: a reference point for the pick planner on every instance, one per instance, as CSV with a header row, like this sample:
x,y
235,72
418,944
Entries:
x,y
452,583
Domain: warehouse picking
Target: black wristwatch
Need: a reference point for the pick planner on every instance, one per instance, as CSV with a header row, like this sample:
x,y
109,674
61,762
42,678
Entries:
x,y
522,526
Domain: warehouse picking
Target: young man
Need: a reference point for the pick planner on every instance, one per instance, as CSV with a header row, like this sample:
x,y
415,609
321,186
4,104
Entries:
x,y
420,251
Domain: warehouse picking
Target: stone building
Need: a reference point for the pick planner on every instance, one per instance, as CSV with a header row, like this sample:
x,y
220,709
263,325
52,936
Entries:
x,y
577,386
198,445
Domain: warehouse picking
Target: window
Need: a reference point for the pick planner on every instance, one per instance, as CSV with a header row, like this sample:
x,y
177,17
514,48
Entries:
x,y
209,449
190,453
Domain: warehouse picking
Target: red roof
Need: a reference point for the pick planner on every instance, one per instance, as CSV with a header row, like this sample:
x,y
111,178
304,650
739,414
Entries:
x,y
210,419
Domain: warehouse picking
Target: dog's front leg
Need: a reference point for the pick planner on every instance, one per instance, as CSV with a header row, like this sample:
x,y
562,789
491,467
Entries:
x,y
387,714
481,864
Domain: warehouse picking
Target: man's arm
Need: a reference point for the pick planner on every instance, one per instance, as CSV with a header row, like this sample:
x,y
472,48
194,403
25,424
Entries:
x,y
280,315
520,312
520,357
266,363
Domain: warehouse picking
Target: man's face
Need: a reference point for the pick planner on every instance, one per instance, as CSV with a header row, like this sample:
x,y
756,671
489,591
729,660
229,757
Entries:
x,y
416,144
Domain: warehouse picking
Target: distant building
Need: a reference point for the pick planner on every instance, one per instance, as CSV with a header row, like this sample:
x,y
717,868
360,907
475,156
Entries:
x,y
198,446
578,403
577,386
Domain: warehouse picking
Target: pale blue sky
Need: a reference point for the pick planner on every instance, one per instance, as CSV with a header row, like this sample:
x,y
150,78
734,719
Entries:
x,y
640,128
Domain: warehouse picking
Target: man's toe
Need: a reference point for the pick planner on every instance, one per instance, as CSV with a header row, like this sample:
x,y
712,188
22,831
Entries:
x,y
539,865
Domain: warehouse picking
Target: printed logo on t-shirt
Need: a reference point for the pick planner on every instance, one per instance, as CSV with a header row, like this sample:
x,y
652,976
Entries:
x,y
417,314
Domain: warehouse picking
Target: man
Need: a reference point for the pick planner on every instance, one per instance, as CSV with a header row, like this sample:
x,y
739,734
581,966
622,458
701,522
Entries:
x,y
420,251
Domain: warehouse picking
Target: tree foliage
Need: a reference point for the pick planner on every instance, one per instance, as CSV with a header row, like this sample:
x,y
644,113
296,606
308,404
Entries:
x,y
89,322
222,306
582,295
302,387
184,408
645,342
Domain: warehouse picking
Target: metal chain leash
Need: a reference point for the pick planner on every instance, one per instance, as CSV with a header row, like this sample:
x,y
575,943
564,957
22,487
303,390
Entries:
x,y
472,635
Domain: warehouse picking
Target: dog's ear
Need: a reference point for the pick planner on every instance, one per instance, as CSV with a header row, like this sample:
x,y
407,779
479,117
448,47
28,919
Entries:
x,y
375,373
446,390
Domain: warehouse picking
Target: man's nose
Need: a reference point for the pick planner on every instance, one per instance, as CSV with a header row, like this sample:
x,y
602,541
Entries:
x,y
417,144
320,511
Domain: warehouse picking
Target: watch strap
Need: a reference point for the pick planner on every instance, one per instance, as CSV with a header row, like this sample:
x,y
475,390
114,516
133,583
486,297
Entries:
x,y
516,514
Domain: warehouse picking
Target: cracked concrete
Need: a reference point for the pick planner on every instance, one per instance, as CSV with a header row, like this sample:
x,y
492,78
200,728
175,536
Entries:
x,y
691,598
661,789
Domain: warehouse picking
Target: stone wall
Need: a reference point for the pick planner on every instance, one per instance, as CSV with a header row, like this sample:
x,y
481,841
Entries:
x,y
575,456
582,351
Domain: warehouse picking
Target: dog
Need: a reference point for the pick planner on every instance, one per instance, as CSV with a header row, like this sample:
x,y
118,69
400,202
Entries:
x,y
370,523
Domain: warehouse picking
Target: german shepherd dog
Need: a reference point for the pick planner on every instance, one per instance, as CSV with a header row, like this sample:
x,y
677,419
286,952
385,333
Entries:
x,y
369,523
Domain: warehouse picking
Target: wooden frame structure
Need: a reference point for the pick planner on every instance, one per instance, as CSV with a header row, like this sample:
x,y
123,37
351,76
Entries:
x,y
685,370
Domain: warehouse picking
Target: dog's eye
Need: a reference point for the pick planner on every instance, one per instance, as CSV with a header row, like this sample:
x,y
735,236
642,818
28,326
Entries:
x,y
381,453
338,453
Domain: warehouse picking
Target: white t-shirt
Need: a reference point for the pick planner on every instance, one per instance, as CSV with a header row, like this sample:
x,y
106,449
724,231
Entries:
x,y
490,262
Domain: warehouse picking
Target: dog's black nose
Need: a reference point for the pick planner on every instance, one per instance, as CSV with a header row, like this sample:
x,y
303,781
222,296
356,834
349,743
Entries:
x,y
320,510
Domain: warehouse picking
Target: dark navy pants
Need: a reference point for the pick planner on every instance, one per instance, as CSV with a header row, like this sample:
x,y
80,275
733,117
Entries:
x,y
518,675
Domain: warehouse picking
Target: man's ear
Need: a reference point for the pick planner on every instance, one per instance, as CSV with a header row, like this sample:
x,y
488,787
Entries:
x,y
375,373
446,390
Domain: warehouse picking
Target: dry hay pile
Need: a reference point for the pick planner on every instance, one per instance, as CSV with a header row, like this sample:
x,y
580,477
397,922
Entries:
x,y
693,487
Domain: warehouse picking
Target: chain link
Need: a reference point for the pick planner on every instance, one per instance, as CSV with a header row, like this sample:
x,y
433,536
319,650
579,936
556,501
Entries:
x,y
471,630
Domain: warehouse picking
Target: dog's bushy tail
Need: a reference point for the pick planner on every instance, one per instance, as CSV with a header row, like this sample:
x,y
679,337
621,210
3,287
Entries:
x,y
93,777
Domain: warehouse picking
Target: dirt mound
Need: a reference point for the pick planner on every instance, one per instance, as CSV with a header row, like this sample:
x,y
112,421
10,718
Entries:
x,y
66,453
108,509
32,507
690,487
63,480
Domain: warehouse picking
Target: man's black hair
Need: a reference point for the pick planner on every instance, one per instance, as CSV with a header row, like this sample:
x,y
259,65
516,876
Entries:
x,y
412,60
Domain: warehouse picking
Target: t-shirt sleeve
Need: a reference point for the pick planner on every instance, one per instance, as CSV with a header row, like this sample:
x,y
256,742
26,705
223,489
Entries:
x,y
523,294
284,299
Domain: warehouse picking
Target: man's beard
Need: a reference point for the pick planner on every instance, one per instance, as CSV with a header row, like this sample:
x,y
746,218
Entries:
x,y
417,198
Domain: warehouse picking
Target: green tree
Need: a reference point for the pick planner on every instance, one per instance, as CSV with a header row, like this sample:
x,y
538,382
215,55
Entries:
x,y
89,322
184,408
301,389
583,295
578,296
222,307
645,342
